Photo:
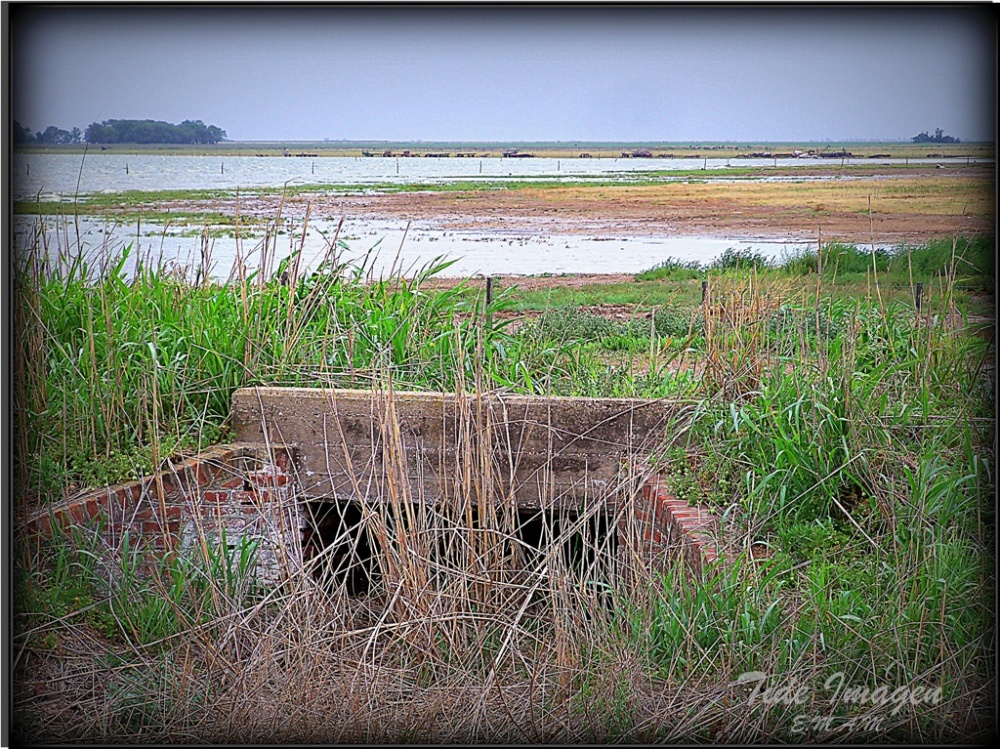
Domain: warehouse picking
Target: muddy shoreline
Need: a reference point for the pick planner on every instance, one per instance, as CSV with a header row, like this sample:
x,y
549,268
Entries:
x,y
830,210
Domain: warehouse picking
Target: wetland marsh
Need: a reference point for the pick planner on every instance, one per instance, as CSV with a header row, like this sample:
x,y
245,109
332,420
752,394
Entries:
x,y
844,438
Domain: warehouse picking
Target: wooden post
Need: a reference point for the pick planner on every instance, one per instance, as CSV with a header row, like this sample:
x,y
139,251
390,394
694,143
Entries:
x,y
222,167
819,251
704,291
918,294
489,301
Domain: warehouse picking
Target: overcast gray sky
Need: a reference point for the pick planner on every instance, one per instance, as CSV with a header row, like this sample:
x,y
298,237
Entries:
x,y
513,74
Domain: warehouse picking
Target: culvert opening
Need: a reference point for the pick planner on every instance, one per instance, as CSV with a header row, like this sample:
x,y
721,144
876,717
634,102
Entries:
x,y
343,549
587,547
338,546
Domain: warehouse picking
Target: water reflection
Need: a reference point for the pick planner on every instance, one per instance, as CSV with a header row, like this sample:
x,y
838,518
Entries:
x,y
389,244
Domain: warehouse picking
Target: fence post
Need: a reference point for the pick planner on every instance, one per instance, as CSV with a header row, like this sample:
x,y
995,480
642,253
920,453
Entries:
x,y
489,301
704,291
918,294
819,251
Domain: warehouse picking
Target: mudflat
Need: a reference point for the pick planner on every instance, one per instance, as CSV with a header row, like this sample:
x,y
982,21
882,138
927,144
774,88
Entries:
x,y
855,205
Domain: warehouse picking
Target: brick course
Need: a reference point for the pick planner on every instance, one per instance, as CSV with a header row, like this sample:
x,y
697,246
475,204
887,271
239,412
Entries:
x,y
200,496
247,489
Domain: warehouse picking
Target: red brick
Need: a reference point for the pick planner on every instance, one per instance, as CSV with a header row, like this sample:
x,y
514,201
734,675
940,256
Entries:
x,y
93,507
212,470
195,473
125,499
682,516
151,526
115,502
254,497
233,483
216,496
144,513
264,478
42,524
124,494
692,524
709,554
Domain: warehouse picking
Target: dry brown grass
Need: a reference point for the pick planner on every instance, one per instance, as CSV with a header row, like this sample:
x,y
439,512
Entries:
x,y
469,635
951,196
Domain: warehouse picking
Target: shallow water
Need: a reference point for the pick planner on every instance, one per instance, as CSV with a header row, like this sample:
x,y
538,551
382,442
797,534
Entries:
x,y
65,175
526,252
388,245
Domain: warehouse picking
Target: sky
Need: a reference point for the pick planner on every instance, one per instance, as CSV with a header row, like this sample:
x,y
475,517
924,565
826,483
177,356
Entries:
x,y
526,73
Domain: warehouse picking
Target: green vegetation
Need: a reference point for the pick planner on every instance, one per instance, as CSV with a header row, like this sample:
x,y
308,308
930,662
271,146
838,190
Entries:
x,y
938,137
153,131
965,262
128,132
844,441
52,135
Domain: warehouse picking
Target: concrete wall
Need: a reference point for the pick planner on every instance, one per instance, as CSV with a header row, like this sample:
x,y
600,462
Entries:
x,y
295,445
542,452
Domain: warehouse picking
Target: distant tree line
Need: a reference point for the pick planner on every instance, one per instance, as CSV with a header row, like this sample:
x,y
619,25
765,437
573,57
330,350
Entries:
x,y
125,131
52,134
153,131
938,137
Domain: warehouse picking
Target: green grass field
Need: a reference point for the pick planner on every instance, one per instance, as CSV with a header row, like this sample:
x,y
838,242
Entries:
x,y
845,440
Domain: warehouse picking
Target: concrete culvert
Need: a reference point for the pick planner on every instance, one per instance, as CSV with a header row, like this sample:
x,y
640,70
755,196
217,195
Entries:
x,y
337,546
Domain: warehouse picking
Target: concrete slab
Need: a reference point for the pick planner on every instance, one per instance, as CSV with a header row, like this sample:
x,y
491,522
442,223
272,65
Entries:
x,y
429,447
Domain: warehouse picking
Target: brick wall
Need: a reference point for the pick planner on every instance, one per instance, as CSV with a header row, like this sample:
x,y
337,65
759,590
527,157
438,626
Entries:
x,y
657,526
249,490
664,522
233,491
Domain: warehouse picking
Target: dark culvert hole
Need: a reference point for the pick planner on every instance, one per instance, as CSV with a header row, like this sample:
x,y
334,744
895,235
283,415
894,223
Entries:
x,y
587,548
338,547
341,552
